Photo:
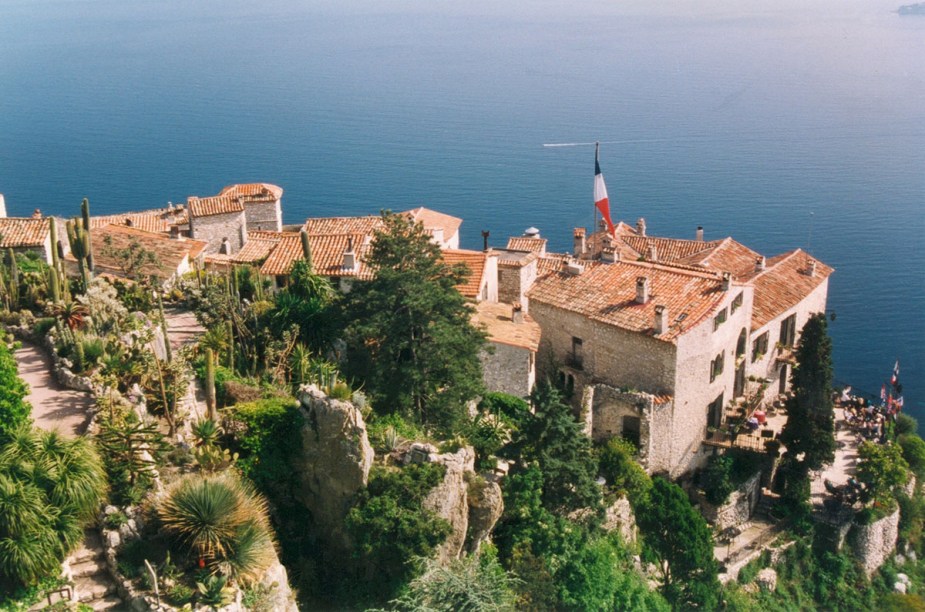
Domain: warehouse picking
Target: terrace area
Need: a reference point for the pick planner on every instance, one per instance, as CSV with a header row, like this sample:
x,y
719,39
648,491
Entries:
x,y
749,422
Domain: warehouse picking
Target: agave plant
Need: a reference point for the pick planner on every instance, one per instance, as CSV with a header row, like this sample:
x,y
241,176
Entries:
x,y
71,314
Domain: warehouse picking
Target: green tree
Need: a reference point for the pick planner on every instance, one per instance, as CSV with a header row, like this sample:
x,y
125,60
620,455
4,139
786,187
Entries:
x,y
14,410
882,468
554,441
474,584
622,472
677,539
306,301
410,337
914,453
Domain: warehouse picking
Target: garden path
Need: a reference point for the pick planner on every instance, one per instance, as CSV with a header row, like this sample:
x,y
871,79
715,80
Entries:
x,y
53,406
846,460
183,329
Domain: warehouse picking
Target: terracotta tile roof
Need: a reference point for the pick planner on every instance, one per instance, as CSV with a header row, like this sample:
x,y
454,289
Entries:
x,y
431,220
510,258
501,328
784,284
475,262
527,243
555,262
607,293
18,232
254,192
344,225
327,255
169,253
727,256
267,234
668,249
255,250
214,205
158,220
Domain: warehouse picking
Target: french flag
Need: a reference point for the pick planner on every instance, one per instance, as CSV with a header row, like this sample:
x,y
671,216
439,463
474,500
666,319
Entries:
x,y
895,378
601,201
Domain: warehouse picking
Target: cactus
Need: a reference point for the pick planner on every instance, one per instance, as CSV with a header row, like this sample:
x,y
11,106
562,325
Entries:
x,y
306,248
85,213
14,279
230,329
80,246
53,285
79,356
235,290
258,286
160,308
210,383
54,278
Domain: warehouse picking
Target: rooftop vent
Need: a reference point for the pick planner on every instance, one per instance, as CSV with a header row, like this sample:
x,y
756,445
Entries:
x,y
652,253
350,257
727,281
517,313
532,232
760,264
699,235
574,268
609,254
811,268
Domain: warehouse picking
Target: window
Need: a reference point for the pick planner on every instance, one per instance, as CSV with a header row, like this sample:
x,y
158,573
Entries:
x,y
759,347
788,330
719,319
576,357
631,426
716,366
736,303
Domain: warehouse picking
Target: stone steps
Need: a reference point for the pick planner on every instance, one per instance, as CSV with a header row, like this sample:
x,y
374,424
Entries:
x,y
92,582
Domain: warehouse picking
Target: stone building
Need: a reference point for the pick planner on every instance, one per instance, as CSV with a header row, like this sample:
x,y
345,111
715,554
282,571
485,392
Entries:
x,y
219,221
262,202
655,336
515,338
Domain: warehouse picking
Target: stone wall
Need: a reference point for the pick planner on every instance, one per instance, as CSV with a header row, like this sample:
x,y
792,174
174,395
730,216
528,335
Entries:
x,y
619,517
266,216
510,369
514,281
738,509
874,543
215,228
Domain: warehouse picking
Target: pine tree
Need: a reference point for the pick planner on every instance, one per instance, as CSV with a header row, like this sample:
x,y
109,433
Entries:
x,y
410,337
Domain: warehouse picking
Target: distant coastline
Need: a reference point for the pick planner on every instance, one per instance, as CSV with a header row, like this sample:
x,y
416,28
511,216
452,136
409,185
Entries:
x,y
912,9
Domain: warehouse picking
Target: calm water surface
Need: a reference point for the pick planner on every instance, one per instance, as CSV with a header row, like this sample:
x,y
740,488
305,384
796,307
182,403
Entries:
x,y
781,124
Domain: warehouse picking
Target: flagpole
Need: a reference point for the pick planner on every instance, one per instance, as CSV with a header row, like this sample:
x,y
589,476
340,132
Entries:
x,y
597,151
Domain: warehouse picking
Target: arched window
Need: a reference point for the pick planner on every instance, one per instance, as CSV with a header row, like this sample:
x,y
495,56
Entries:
x,y
740,346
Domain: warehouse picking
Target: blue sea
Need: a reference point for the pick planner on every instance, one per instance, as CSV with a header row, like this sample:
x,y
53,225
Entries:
x,y
783,123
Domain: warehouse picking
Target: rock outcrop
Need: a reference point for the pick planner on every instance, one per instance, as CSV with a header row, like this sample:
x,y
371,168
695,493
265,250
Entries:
x,y
874,543
486,505
334,463
619,517
450,499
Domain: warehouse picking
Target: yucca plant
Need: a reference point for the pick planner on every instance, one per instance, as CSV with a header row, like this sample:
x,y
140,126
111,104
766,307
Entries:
x,y
207,432
222,521
215,592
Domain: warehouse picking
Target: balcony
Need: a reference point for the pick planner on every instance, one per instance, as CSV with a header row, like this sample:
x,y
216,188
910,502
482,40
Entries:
x,y
574,361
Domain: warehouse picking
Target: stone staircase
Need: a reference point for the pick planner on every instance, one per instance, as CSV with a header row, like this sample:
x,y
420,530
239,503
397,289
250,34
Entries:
x,y
92,582
765,505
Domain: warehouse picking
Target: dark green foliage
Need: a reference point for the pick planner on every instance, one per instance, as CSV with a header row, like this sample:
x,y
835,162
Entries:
x,y
130,472
306,302
513,410
882,468
268,436
622,472
410,339
810,427
14,410
913,448
678,540
390,527
554,441
487,436
716,479
906,424
43,326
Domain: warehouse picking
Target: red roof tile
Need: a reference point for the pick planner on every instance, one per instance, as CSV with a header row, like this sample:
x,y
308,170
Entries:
x,y
527,243
475,262
783,284
431,220
668,249
158,220
607,293
327,255
168,252
344,225
214,205
254,192
17,232
727,256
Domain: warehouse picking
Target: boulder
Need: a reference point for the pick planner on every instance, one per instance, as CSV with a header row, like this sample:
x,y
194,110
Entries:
x,y
334,463
486,505
449,500
619,517
899,587
767,579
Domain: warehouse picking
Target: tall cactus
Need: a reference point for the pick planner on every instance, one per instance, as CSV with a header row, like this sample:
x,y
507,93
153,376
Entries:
x,y
85,213
229,327
160,308
210,383
80,246
306,248
14,279
54,278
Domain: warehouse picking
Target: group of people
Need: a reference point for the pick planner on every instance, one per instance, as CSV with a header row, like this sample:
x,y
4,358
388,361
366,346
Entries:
x,y
871,422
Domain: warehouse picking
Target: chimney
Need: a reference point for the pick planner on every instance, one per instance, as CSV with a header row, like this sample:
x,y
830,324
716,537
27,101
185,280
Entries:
x,y
641,226
651,253
350,258
175,232
574,268
727,281
580,245
2,206
609,254
661,319
485,235
36,214
811,268
760,264
642,289
517,313
699,233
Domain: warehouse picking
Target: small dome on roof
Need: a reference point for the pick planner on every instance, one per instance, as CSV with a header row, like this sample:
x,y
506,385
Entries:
x,y
532,232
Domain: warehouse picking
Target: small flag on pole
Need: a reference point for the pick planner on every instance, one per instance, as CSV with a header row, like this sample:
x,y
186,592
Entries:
x,y
895,378
883,392
601,201
898,402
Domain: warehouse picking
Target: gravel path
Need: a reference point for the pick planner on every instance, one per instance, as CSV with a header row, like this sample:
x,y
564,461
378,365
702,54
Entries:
x,y
53,406
846,460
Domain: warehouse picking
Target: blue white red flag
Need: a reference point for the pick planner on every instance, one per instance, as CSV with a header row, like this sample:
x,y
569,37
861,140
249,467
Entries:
x,y
895,378
601,201
898,402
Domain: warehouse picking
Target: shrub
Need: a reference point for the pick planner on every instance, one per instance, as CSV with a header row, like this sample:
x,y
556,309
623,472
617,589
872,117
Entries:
x,y
716,479
14,411
179,594
914,453
510,408
621,471
43,326
340,391
906,424
381,427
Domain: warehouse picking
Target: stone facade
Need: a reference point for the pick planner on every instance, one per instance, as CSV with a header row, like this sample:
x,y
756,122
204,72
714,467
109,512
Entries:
x,y
515,278
214,229
266,216
874,543
509,369
738,509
